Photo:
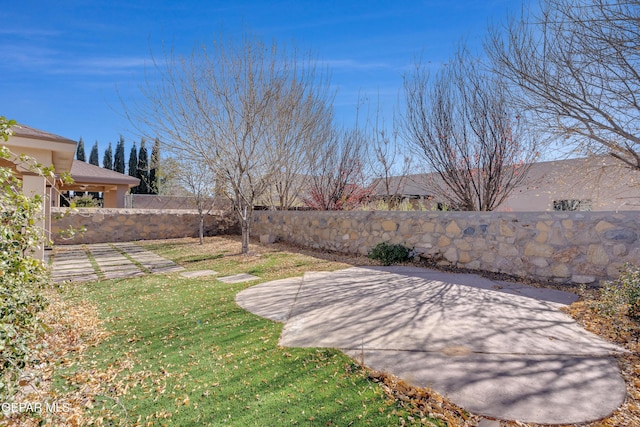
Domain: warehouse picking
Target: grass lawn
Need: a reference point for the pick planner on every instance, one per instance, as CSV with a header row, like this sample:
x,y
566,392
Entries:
x,y
163,350
181,352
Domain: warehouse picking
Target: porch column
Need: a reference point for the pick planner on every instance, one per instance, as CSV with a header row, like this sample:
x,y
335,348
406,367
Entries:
x,y
115,198
47,216
55,197
37,185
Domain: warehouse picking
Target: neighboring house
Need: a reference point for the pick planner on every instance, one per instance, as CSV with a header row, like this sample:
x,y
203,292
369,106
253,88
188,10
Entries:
x,y
598,183
113,185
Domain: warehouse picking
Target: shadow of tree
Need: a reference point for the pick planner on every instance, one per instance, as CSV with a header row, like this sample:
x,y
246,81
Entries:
x,y
494,353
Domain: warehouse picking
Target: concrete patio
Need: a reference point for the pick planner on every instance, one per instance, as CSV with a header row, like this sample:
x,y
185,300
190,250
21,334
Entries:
x,y
498,349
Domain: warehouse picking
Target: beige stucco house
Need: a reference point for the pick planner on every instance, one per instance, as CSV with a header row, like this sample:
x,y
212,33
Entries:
x,y
54,150
47,149
597,183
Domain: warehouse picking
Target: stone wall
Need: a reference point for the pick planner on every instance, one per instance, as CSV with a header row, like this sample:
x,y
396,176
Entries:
x,y
578,247
125,225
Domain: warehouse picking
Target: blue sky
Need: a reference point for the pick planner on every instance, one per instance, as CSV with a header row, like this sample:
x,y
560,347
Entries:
x,y
64,62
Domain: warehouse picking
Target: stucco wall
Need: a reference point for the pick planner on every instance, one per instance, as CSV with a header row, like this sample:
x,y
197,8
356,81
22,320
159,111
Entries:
x,y
578,247
124,225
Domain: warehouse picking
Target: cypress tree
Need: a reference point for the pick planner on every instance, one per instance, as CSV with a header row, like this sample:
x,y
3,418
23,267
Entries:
x,y
94,156
107,159
153,168
143,169
82,157
80,153
94,160
118,159
133,166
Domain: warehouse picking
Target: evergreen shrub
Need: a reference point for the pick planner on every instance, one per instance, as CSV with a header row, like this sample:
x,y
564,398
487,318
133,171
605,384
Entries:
x,y
389,254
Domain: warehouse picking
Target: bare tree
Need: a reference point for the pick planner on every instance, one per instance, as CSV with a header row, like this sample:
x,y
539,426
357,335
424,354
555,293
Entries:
x,y
339,181
224,105
577,63
459,124
391,161
200,181
299,135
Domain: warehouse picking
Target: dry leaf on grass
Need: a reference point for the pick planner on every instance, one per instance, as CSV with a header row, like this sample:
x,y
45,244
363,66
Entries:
x,y
423,402
71,330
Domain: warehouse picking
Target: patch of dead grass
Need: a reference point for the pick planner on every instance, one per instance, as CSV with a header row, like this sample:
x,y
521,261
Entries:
x,y
70,331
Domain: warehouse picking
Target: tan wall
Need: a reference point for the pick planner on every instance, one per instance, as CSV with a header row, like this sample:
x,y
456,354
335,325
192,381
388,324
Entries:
x,y
125,225
601,181
606,184
579,247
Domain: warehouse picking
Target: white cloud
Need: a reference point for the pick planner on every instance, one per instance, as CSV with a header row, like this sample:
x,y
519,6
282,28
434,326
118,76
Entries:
x,y
29,33
350,64
99,65
33,58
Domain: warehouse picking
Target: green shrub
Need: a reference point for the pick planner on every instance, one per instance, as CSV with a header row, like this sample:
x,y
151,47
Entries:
x,y
21,276
389,254
622,295
85,201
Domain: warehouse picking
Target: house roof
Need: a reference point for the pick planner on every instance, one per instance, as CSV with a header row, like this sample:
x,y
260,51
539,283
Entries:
x,y
46,148
33,133
86,173
409,185
567,172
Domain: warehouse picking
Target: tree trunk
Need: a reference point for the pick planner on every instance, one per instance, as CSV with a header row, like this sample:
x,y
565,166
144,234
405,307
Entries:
x,y
201,229
245,237
244,215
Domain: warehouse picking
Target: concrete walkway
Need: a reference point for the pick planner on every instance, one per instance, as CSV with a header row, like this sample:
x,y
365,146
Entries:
x,y
83,263
497,349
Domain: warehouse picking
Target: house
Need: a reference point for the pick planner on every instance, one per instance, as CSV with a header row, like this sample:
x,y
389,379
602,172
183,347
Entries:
x,y
48,150
598,183
53,150
113,185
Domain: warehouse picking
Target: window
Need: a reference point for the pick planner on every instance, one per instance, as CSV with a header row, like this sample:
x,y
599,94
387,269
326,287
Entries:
x,y
572,205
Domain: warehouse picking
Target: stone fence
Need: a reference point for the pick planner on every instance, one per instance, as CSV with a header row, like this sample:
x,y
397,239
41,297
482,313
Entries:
x,y
578,247
125,225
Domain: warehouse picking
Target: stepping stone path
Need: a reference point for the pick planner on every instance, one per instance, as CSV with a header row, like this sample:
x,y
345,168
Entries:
x,y
238,278
198,273
119,260
72,264
112,260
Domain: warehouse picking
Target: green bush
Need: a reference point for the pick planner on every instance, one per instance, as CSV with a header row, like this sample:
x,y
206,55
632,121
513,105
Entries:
x,y
86,201
389,254
21,276
622,295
